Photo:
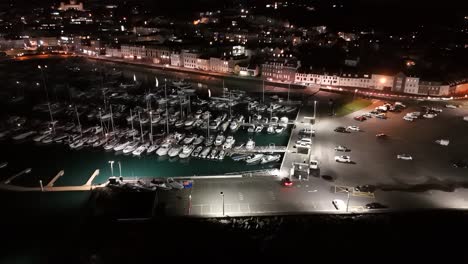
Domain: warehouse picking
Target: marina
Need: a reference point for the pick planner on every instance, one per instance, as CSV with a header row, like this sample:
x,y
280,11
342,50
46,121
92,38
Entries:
x,y
159,128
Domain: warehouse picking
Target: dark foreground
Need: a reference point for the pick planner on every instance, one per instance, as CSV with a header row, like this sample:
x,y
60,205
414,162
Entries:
x,y
92,236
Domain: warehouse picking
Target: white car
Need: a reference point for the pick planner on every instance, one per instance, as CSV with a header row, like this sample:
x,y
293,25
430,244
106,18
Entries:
x,y
443,142
429,116
353,128
450,106
404,157
345,159
313,165
341,148
339,204
408,118
305,142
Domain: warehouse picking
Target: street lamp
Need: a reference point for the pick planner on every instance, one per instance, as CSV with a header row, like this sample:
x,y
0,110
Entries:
x,y
111,162
355,91
222,195
347,202
315,110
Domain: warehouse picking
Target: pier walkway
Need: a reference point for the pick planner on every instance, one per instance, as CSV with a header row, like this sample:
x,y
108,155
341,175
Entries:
x,y
6,186
260,149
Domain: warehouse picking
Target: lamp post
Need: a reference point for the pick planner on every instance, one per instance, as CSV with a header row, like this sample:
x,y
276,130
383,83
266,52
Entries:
x,y
222,195
347,202
315,110
111,162
355,91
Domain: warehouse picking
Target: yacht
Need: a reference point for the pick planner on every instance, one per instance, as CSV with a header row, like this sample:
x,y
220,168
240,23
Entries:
x,y
240,119
250,144
259,129
131,147
274,120
221,155
229,142
209,141
121,146
179,123
284,120
271,129
204,125
3,165
234,126
255,158
48,139
199,140
111,144
205,152
224,126
214,124
174,151
100,142
92,139
270,158
152,148
251,128
162,151
239,147
60,138
189,122
186,151
40,137
140,149
219,140
178,137
198,123
24,135
279,129
197,151
189,139
240,157
77,144
213,153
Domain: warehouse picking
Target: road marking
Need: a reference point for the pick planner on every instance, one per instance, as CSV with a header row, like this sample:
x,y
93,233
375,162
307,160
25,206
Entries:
x,y
312,191
363,194
342,189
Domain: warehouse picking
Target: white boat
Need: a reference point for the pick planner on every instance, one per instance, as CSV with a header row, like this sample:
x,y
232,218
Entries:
x,y
213,154
24,135
140,149
221,154
152,148
92,139
240,119
48,139
259,129
205,152
234,126
197,151
274,120
199,140
174,151
189,122
270,158
60,138
250,144
209,141
229,142
219,140
111,144
224,126
131,147
284,120
186,151
100,142
179,123
271,129
77,144
39,137
251,129
162,151
279,129
255,158
3,165
121,146
189,139
178,137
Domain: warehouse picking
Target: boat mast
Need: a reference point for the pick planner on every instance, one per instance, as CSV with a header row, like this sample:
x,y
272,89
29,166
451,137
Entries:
x,y
47,97
141,127
167,112
151,127
102,125
112,120
79,124
131,118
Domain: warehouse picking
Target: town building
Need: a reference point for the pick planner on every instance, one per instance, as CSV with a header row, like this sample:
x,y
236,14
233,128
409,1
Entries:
x,y
73,5
280,69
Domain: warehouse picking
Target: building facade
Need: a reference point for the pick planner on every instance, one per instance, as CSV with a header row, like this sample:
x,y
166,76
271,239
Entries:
x,y
280,69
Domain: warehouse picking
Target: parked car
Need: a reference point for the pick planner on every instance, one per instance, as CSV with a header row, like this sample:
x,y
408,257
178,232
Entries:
x,y
459,164
360,118
344,159
313,165
353,128
286,182
404,157
450,106
342,148
375,206
408,118
381,116
381,135
341,130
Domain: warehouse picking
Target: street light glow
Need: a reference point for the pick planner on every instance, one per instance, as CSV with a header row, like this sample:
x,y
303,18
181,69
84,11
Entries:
x,y
383,80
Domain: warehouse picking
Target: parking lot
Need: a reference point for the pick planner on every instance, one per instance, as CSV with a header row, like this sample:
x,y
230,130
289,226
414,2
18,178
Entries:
x,y
374,160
